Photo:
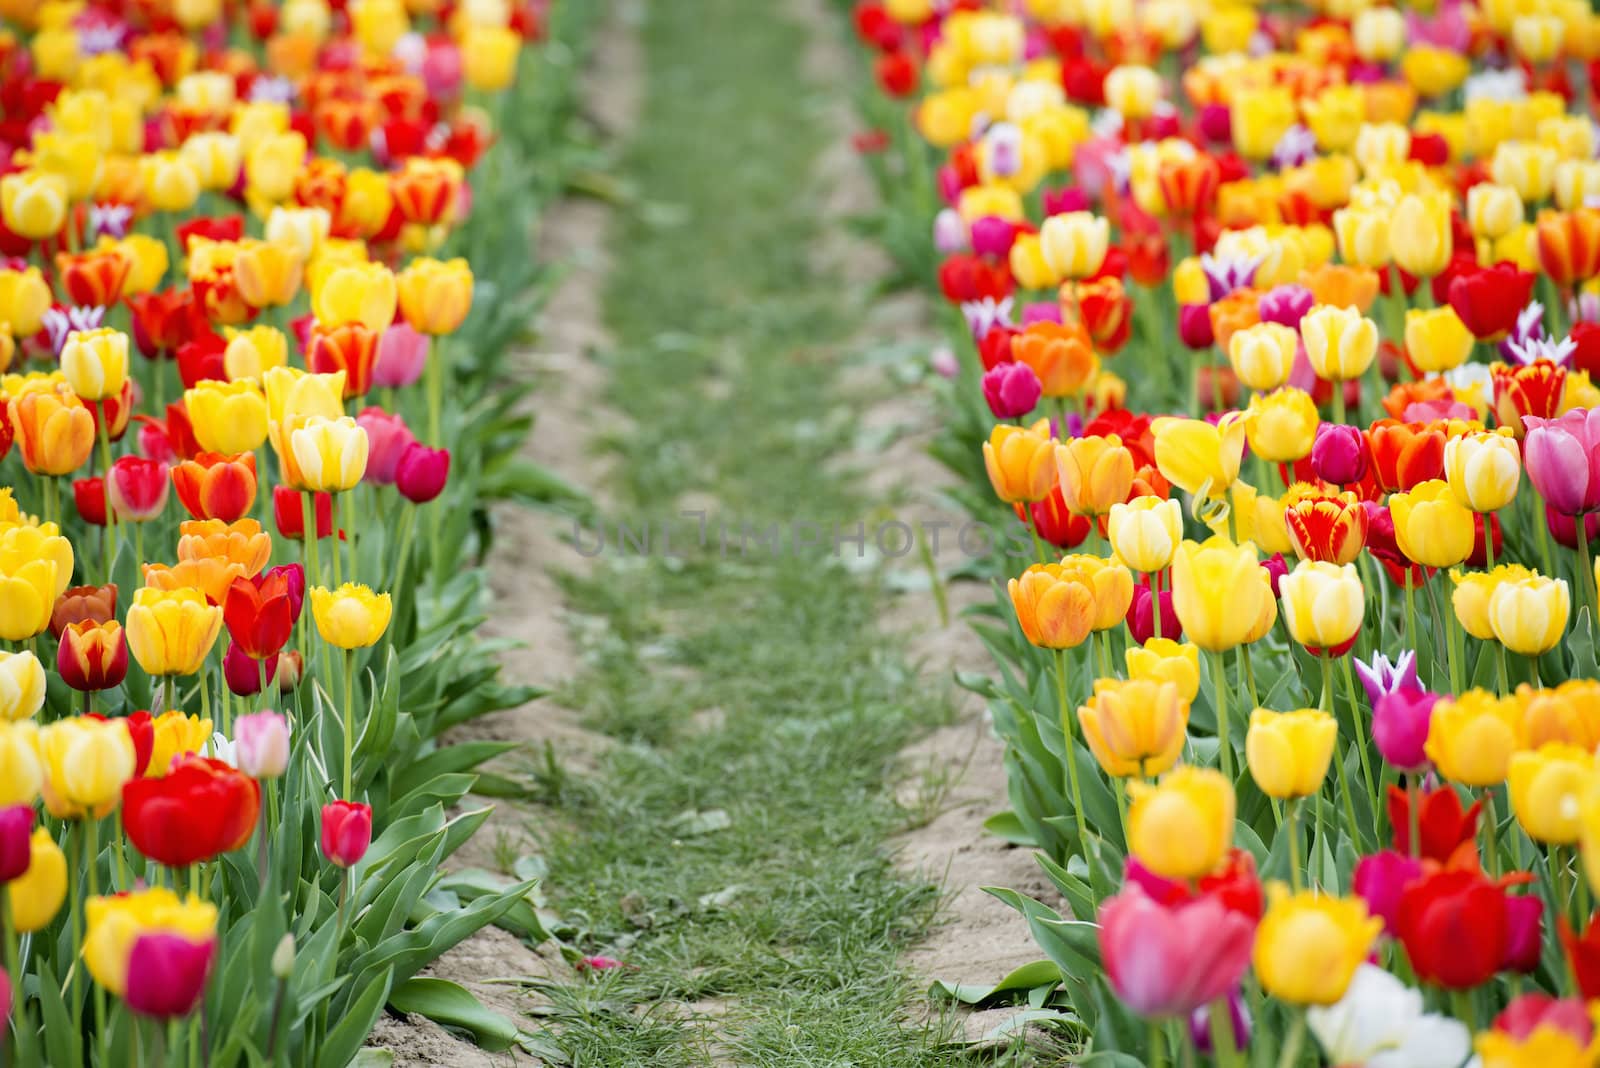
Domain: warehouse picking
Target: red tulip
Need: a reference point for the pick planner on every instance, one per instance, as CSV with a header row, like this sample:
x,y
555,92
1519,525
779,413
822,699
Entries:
x,y
1405,454
346,832
163,321
1235,884
138,489
216,486
94,279
200,359
422,472
92,656
243,672
167,973
1442,825
1053,522
198,810
260,613
1453,925
1583,954
141,728
1489,299
349,347
89,497
288,509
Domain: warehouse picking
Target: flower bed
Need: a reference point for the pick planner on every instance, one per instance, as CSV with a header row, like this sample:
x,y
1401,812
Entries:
x,y
262,263
1281,325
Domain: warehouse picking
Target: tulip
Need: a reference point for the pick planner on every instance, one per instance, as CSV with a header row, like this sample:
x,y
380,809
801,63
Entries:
x,y
1483,469
363,293
16,827
27,595
216,486
1011,390
85,761
1420,233
1326,527
435,297
268,273
1529,615
1112,584
92,656
1380,879
325,455
137,489
167,973
1263,355
1183,827
200,809
1545,786
1221,593
1380,1023
349,347
1473,589
262,744
260,613
1197,456
350,617
249,353
116,924
292,393
1075,244
1472,736
1145,532
33,204
36,895
21,773
1135,728
402,354
22,685
1021,461
1568,244
1437,339
1453,925
1340,454
243,674
1281,426
1062,356
346,832
1558,452
1340,343
387,438
1400,725
1162,660
1443,827
1289,752
1405,454
1055,605
1095,473
1432,528
1323,604
1568,713
1168,960
170,632
1539,1031
228,417
1309,945
288,511
1536,390
172,735
54,431
421,473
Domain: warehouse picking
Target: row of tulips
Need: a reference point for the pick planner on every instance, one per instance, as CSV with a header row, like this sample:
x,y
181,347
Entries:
x,y
242,375
1280,322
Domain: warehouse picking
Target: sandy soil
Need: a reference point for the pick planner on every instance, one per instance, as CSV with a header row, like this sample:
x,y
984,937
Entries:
x,y
530,549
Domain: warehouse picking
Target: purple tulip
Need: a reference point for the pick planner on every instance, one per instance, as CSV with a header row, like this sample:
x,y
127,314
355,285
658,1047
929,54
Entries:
x,y
167,973
1380,879
387,438
1012,390
402,354
422,472
1286,304
1563,459
993,236
1400,727
16,827
1381,677
1340,454
1200,1025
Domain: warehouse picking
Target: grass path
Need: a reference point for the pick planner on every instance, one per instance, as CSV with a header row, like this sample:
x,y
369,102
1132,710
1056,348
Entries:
x,y
732,848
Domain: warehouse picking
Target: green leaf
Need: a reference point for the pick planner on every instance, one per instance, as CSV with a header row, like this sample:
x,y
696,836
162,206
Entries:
x,y
373,1057
1007,826
452,1005
344,1039
1041,973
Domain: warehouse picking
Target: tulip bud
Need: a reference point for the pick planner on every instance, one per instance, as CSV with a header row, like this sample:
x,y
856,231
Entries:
x,y
1289,752
1011,389
16,827
92,656
243,673
167,973
261,744
1141,615
346,832
422,472
288,510
138,489
1400,722
89,497
283,957
291,666
1379,880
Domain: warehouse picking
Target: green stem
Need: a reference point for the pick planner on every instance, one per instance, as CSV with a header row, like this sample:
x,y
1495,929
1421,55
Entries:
x,y
1292,1044
349,724
1292,826
1065,711
1223,1040
1361,734
1219,684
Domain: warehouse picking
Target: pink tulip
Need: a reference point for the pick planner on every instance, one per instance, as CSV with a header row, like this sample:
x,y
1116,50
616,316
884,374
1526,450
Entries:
x,y
387,437
1400,727
1168,961
1529,1012
1380,879
346,832
1564,528
402,354
1563,459
16,826
1012,389
167,973
138,488
261,743
993,236
422,472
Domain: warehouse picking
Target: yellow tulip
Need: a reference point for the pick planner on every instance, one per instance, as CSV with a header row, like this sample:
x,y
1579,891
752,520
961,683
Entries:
x,y
1263,355
36,895
1029,266
1134,92
1493,210
1334,116
27,596
228,417
268,273
1378,34
363,293
271,166
174,734
350,617
171,181
1021,461
494,51
1254,517
86,761
1289,752
1437,339
1471,737
292,393
1112,584
1181,828
1363,236
1529,615
33,203
1546,787
330,455
1145,532
250,353
1135,727
22,685
1323,603
1419,237
1432,528
24,298
1200,457
214,157
114,924
1483,468
1525,166
1075,243
1096,473
21,773
170,632
1341,343
1470,597
1282,426
1259,117
1164,660
95,362
24,542
1309,944
300,231
435,297
1434,71
1221,593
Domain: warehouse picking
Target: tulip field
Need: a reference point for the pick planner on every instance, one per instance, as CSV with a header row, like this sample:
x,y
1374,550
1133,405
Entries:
x,y
1280,323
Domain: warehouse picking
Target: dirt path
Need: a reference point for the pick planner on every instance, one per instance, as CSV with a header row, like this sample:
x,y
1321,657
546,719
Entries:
x,y
531,548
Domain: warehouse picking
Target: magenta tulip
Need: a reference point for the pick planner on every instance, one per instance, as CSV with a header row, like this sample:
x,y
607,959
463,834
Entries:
x,y
16,827
1524,933
1340,454
1564,528
1563,459
167,973
1168,961
1194,326
1285,305
242,672
1142,620
1400,727
1380,879
346,832
1012,390
422,472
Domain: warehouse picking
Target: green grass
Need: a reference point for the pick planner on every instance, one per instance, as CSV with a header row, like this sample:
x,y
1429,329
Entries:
x,y
757,687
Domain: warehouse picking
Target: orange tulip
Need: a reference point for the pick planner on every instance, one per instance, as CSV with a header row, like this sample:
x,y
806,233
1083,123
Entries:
x,y
1095,472
54,431
242,542
426,190
268,273
1061,356
1021,461
1405,454
217,486
1342,286
1055,605
1569,246
94,278
211,575
1188,186
349,347
1234,312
